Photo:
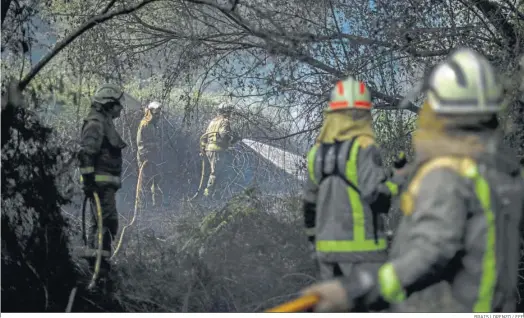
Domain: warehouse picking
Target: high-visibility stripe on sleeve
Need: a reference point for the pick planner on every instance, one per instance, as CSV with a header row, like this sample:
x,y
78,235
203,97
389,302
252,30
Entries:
x,y
393,188
391,288
311,163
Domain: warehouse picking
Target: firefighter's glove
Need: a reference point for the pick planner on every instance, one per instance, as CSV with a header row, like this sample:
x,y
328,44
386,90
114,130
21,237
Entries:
x,y
89,185
333,296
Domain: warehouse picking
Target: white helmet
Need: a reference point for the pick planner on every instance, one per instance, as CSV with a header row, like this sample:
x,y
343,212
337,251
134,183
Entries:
x,y
224,107
153,105
465,83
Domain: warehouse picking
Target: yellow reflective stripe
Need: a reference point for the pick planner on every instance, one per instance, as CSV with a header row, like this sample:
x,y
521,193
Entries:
x,y
310,231
390,286
359,242
106,178
351,246
393,188
213,147
489,272
86,170
311,163
103,178
359,229
213,130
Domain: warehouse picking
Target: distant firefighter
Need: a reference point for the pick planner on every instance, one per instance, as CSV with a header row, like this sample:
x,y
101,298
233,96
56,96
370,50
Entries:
x,y
148,140
217,138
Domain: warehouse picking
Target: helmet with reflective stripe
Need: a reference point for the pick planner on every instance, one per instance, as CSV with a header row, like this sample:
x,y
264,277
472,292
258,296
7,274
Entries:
x,y
108,93
465,83
350,94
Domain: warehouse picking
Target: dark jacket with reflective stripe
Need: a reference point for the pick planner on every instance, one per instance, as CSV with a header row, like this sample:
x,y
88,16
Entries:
x,y
345,191
100,146
461,225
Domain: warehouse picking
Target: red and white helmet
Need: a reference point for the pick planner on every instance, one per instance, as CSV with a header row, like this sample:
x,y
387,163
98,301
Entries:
x,y
350,94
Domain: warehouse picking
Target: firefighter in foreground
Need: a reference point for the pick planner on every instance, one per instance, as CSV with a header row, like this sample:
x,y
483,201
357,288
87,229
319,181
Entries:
x,y
462,207
148,142
100,159
216,140
347,188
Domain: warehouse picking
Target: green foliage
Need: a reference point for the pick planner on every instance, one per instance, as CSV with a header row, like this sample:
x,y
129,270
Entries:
x,y
37,271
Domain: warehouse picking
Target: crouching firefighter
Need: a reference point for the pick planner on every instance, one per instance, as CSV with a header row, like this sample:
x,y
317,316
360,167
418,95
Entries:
x,y
100,160
462,206
347,188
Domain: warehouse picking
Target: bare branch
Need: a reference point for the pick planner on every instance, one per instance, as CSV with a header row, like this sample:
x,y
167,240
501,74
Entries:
x,y
78,32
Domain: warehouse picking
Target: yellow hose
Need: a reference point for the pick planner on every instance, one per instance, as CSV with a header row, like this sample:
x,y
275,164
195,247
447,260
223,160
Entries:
x,y
300,304
203,165
201,179
137,198
100,241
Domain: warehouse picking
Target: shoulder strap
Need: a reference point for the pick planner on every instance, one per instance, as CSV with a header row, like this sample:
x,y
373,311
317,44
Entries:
x,y
338,171
463,166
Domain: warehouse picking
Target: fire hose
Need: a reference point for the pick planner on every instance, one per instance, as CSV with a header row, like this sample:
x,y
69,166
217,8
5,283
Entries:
x,y
99,235
137,197
299,304
203,173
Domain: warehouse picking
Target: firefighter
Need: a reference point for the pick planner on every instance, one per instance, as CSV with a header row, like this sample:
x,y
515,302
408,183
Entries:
x,y
215,141
148,140
100,159
347,188
462,206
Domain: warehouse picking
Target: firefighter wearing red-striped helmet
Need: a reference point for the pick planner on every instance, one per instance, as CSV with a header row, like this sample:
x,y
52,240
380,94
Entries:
x,y
462,206
350,94
347,186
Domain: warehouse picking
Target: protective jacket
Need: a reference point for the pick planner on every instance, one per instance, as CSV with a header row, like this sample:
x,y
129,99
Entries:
x,y
462,217
218,134
101,148
147,139
347,188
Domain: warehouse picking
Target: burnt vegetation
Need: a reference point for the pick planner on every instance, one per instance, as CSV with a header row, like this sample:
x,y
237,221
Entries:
x,y
245,250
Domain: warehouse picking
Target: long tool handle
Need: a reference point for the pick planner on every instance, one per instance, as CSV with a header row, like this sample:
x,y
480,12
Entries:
x,y
297,305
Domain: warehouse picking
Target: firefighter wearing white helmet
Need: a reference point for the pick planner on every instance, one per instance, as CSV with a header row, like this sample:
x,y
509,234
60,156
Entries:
x,y
215,141
148,140
462,206
347,187
100,159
